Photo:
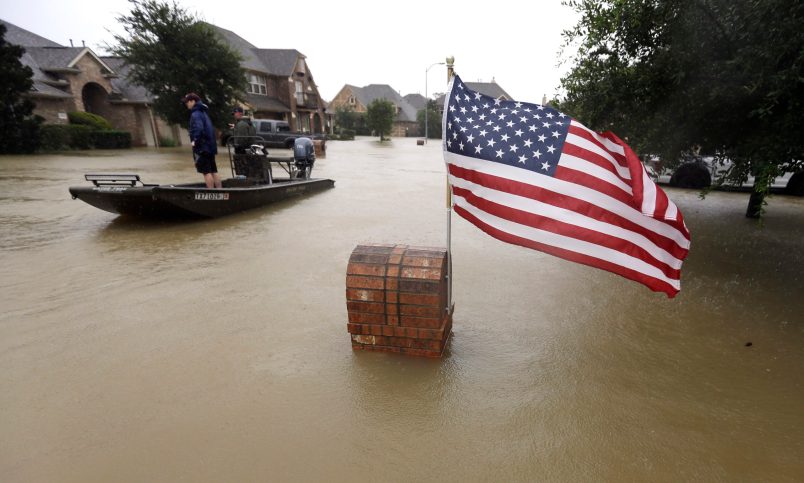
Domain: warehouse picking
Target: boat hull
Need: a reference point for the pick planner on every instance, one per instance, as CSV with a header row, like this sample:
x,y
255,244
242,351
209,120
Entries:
x,y
194,200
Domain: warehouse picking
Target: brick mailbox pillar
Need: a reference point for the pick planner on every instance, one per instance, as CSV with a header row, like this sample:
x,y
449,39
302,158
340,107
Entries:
x,y
396,297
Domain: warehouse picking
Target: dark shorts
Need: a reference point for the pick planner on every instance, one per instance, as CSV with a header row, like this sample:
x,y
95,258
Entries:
x,y
205,163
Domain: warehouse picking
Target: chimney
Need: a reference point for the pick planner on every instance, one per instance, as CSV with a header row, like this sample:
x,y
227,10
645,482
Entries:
x,y
71,42
83,43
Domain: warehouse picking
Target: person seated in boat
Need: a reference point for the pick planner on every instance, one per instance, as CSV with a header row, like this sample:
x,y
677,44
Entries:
x,y
202,138
243,133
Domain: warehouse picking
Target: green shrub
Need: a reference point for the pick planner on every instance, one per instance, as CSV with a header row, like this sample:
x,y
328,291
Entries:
x,y
167,142
110,139
347,135
94,121
56,137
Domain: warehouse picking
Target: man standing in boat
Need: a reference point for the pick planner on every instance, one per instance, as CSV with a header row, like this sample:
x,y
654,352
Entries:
x,y
202,138
243,132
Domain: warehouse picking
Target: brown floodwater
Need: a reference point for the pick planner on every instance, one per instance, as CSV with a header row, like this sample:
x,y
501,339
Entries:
x,y
217,350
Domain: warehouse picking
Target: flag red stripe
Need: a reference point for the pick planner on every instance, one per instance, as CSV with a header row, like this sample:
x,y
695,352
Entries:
x,y
566,229
593,182
654,284
592,157
581,132
567,202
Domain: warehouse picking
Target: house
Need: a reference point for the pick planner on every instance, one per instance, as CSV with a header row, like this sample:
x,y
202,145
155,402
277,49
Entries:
x,y
280,84
358,99
418,101
491,89
67,79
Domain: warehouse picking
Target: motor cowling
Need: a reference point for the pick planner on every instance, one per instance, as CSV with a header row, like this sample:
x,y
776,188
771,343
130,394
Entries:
x,y
304,156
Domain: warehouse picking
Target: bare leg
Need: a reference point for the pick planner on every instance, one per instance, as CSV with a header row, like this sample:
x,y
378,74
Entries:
x,y
216,179
209,180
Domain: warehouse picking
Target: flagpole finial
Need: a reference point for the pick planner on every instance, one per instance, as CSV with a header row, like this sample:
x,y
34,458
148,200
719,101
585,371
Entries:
x,y
450,70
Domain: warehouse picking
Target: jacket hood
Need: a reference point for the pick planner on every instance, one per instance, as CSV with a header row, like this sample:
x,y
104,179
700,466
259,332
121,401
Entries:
x,y
200,106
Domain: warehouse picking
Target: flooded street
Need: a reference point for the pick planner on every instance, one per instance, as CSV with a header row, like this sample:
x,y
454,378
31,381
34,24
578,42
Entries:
x,y
217,350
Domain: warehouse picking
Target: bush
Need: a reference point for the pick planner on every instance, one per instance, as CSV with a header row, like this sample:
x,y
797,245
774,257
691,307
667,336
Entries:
x,y
347,135
110,139
56,137
94,121
167,142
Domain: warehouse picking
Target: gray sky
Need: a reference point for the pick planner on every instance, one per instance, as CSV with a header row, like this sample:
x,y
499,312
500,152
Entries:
x,y
358,42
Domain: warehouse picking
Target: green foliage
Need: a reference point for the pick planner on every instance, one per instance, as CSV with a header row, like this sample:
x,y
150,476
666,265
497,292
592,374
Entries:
x,y
380,115
719,77
18,125
345,135
433,120
58,137
171,53
88,119
110,139
167,142
345,117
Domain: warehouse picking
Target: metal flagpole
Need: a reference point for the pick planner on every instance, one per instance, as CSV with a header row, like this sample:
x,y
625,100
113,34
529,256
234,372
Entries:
x,y
450,74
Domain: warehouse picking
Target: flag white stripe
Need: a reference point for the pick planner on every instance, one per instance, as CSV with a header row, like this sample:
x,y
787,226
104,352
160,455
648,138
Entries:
x,y
567,243
588,145
579,164
569,189
607,143
648,194
567,216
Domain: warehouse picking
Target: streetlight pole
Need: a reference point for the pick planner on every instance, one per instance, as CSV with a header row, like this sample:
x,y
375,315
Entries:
x,y
427,100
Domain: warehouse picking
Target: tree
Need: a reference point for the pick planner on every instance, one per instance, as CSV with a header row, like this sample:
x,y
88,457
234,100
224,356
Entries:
x,y
433,120
171,53
345,117
19,128
719,77
380,115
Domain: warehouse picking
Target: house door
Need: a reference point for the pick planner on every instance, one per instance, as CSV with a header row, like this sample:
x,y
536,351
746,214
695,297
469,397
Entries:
x,y
94,98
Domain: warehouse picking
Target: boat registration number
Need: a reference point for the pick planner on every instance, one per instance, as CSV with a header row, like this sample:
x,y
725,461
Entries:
x,y
211,196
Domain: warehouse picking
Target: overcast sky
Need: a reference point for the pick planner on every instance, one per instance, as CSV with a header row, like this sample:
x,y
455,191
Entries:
x,y
516,43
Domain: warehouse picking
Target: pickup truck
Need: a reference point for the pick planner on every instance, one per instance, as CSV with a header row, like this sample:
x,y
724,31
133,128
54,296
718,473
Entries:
x,y
276,134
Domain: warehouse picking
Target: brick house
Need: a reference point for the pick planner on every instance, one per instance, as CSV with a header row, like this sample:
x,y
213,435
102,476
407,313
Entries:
x,y
280,84
358,98
72,78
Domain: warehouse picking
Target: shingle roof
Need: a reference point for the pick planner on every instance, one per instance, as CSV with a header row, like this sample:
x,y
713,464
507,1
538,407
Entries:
x,y
126,90
491,89
418,101
19,36
279,61
265,103
49,58
371,92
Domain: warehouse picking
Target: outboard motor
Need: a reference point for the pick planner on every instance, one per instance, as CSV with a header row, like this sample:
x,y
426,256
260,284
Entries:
x,y
303,157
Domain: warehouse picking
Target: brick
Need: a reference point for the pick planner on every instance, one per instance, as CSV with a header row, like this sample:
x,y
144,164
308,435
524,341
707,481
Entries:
x,y
365,295
374,270
367,307
394,259
420,322
379,259
392,319
362,318
391,309
419,286
392,271
420,311
434,300
375,329
355,281
411,332
387,331
392,284
391,297
422,273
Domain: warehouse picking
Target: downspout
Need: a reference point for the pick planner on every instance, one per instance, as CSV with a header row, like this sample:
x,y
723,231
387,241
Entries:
x,y
153,126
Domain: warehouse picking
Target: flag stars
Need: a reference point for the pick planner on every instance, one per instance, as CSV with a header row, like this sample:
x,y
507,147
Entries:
x,y
528,142
537,154
522,159
542,137
505,137
518,132
492,142
499,153
463,110
470,138
483,133
551,149
546,166
513,148
478,149
556,134
510,124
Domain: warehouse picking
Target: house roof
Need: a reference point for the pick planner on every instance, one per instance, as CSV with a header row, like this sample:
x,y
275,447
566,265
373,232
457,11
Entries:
x,y
123,89
19,36
372,92
491,89
418,101
265,103
278,62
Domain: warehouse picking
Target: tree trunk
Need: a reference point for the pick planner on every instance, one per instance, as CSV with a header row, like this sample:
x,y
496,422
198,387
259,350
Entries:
x,y
755,204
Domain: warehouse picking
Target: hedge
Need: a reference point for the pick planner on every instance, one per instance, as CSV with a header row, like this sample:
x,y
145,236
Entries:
x,y
111,139
94,121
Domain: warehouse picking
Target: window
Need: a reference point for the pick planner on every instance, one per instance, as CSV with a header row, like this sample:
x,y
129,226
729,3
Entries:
x,y
257,84
352,100
299,93
265,126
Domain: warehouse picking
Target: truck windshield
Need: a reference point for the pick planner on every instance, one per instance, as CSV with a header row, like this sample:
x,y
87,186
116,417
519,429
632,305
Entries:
x,y
282,128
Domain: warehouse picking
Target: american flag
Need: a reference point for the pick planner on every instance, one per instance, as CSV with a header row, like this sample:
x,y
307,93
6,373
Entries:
x,y
530,175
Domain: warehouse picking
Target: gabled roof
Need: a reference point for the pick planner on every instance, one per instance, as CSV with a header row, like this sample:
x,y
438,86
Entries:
x,y
62,58
279,62
372,92
19,36
491,89
123,89
418,101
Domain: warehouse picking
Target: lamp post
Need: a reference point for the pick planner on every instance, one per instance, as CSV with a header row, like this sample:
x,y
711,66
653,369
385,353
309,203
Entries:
x,y
427,100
